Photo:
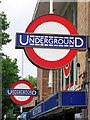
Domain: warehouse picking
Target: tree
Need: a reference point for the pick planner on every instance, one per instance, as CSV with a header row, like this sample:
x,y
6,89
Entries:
x,y
9,69
32,80
4,26
10,115
9,76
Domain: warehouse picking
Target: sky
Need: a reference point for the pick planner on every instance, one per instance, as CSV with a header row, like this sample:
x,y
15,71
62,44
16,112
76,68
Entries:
x,y
19,14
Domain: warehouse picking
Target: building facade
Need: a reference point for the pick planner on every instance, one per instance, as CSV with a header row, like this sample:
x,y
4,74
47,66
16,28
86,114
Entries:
x,y
58,82
78,76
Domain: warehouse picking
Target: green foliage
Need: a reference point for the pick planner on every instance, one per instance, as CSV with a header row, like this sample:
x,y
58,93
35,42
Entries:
x,y
9,70
10,115
9,76
32,80
4,25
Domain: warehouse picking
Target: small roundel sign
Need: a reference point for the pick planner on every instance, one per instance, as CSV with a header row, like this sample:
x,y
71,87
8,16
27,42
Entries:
x,y
48,58
21,84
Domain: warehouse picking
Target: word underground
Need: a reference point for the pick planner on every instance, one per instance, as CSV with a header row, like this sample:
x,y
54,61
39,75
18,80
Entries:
x,y
22,92
28,40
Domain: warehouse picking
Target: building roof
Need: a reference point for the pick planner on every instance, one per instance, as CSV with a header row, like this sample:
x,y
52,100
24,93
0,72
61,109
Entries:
x,y
43,8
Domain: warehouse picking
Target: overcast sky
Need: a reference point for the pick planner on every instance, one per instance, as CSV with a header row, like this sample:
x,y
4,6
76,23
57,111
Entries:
x,y
19,14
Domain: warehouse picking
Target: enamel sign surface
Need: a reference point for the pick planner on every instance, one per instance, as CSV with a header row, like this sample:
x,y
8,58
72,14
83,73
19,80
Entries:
x,y
48,58
17,97
50,41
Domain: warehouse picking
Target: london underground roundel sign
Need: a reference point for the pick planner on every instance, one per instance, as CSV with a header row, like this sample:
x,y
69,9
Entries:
x,y
50,58
21,100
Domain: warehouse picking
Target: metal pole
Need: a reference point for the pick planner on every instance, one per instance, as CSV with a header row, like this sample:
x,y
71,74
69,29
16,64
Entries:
x,y
20,109
69,82
61,79
51,71
22,64
54,81
50,78
64,83
74,71
52,87
51,6
57,80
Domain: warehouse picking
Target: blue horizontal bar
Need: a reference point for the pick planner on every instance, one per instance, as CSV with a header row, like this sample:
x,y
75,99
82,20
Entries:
x,y
51,41
22,92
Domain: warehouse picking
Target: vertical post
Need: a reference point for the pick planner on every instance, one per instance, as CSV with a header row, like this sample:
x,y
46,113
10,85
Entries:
x,y
51,71
69,82
22,64
61,80
51,6
74,71
20,109
57,80
50,78
64,83
54,81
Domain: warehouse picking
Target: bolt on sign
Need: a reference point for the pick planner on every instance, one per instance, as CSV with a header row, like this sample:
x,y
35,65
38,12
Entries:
x,y
50,41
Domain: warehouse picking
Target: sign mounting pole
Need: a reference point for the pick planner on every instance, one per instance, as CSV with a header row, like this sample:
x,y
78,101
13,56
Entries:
x,y
51,71
21,108
51,6
22,64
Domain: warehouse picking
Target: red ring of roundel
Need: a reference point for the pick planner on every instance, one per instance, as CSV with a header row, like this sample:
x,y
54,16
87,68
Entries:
x,y
40,62
21,102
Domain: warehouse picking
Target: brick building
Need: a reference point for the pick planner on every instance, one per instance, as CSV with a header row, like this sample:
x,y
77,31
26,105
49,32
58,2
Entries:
x,y
78,13
43,75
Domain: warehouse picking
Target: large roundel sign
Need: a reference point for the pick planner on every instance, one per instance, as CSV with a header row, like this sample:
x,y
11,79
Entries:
x,y
21,84
45,57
